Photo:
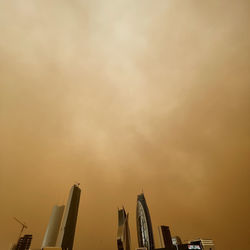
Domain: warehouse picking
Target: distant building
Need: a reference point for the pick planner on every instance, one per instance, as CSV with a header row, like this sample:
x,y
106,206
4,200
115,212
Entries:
x,y
199,244
144,225
123,233
204,244
24,242
165,238
67,233
53,227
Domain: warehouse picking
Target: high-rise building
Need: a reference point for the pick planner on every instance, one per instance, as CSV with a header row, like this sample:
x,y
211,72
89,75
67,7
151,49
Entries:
x,y
24,242
165,238
53,227
67,232
144,225
123,233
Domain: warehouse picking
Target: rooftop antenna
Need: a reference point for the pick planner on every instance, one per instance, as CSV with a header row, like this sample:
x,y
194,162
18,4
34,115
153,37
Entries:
x,y
23,226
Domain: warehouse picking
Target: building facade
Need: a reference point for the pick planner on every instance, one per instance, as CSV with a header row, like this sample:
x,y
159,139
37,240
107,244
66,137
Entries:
x,y
67,232
123,232
24,242
53,227
204,244
144,225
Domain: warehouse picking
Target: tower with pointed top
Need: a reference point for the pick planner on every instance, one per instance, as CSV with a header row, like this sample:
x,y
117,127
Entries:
x,y
144,225
123,233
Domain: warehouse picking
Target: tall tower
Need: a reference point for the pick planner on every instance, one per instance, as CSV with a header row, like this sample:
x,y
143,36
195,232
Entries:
x,y
165,238
144,225
67,232
123,233
53,227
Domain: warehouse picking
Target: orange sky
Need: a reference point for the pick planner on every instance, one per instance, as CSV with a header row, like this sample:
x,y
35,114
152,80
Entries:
x,y
123,96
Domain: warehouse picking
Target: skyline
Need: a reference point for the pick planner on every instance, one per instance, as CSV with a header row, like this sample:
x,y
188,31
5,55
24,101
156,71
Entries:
x,y
123,96
58,219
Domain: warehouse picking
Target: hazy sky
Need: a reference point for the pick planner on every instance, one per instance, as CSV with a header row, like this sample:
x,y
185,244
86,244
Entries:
x,y
123,96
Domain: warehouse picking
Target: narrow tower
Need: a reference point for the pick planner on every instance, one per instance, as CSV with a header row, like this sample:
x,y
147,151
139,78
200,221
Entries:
x,y
123,233
67,232
165,238
144,225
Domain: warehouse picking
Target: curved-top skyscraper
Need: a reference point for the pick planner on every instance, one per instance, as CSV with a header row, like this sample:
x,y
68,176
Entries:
x,y
144,225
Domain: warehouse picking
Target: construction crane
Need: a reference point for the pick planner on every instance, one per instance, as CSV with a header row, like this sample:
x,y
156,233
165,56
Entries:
x,y
23,226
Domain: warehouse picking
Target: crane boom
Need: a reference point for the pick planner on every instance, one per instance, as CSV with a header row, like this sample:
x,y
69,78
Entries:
x,y
23,226
22,223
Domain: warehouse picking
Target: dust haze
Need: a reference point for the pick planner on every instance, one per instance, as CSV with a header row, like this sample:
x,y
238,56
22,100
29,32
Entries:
x,y
123,96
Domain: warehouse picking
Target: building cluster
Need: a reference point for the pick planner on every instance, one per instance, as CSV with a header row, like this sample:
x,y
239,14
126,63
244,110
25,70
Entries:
x,y
145,232
60,231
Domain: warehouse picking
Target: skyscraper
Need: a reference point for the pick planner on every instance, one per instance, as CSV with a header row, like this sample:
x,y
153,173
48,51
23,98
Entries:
x,y
53,227
144,225
24,242
67,232
165,238
123,233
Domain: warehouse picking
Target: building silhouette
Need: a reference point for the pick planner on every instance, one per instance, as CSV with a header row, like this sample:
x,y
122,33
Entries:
x,y
67,232
165,238
144,225
123,233
24,242
204,244
53,227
